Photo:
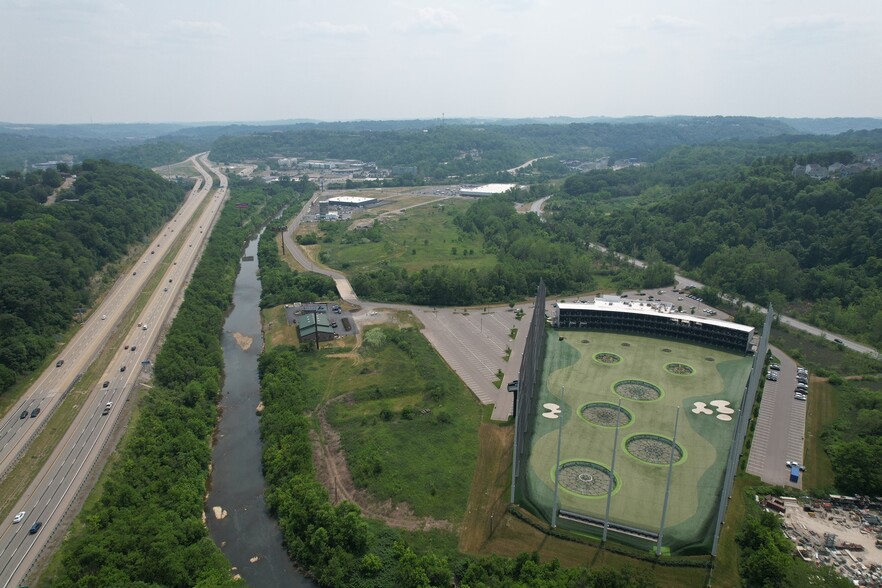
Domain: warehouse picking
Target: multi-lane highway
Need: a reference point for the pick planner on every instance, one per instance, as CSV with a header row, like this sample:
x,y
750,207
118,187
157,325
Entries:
x,y
55,487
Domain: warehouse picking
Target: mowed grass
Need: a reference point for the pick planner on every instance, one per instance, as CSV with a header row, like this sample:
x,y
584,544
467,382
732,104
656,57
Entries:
x,y
408,425
572,372
823,409
421,237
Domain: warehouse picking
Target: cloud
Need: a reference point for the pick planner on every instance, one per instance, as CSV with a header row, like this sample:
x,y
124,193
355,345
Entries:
x,y
812,29
666,22
199,28
333,29
431,20
663,23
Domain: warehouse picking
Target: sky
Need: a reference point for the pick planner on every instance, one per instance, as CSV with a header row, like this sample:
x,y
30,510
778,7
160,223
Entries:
x,y
111,61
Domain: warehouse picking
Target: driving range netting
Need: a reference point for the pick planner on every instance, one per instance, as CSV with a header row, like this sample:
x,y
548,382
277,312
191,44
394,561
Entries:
x,y
569,366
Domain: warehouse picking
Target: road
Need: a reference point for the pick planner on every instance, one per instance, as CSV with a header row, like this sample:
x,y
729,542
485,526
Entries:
x,y
515,170
52,493
685,282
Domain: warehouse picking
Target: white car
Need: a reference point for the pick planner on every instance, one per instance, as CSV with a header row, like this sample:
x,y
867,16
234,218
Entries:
x,y
790,464
19,517
802,397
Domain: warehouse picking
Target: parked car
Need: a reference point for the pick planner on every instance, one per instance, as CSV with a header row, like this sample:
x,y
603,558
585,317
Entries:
x,y
775,367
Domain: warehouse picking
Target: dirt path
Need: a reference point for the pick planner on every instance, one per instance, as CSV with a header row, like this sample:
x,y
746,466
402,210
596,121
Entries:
x,y
333,472
488,495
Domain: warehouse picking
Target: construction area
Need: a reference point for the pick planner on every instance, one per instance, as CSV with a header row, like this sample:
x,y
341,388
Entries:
x,y
840,531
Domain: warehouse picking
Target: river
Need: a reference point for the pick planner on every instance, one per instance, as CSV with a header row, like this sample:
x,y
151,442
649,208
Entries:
x,y
247,535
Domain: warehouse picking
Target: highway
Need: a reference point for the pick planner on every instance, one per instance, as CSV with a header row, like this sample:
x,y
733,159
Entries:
x,y
53,491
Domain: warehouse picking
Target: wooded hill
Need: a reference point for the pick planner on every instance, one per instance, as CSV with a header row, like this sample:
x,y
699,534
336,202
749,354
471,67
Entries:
x,y
757,231
49,255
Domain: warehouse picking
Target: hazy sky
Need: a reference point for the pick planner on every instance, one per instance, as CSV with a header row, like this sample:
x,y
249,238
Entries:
x,y
75,61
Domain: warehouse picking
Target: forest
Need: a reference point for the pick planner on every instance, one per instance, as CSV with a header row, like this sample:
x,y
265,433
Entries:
x,y
49,255
442,151
812,248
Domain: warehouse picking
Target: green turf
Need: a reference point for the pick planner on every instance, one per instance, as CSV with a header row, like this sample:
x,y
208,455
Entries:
x,y
571,368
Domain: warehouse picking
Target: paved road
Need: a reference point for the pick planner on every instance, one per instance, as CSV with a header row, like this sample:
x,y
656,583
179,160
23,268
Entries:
x,y
515,170
52,493
780,428
685,282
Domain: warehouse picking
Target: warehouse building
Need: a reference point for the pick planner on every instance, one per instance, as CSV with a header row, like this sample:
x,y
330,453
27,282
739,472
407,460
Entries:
x,y
351,201
309,324
486,189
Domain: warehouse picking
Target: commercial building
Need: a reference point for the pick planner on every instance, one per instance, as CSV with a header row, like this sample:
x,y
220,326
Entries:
x,y
351,201
656,320
486,189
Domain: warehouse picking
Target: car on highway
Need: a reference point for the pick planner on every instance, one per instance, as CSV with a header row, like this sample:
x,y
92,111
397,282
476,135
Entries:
x,y
35,412
105,384
122,369
59,363
23,415
19,517
107,408
36,527
134,347
103,317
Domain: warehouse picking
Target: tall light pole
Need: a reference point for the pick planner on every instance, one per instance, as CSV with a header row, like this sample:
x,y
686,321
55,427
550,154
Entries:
x,y
557,468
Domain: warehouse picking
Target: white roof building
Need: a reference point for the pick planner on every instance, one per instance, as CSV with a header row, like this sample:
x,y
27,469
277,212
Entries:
x,y
486,189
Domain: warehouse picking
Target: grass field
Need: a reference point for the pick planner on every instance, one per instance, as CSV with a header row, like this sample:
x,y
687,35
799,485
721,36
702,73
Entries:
x,y
422,237
408,425
823,409
572,370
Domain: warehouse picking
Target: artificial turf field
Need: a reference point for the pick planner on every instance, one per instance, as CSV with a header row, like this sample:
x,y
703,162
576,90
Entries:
x,y
571,366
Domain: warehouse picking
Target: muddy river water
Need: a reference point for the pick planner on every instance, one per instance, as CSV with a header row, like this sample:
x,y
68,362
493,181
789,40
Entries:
x,y
237,517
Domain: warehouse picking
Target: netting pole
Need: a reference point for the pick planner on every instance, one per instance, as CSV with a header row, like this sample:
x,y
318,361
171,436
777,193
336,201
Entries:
x,y
557,468
612,473
661,529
